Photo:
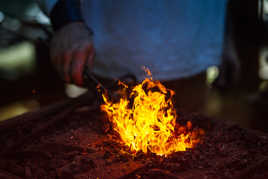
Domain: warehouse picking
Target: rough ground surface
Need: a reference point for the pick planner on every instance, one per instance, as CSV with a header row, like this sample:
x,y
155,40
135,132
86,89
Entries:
x,y
68,141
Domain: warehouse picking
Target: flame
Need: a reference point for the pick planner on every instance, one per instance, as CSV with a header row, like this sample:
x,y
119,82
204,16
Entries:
x,y
145,119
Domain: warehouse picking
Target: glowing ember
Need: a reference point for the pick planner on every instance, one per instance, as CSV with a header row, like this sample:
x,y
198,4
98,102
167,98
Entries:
x,y
145,119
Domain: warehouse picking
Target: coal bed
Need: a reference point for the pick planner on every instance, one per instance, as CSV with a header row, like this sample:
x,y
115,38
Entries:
x,y
72,140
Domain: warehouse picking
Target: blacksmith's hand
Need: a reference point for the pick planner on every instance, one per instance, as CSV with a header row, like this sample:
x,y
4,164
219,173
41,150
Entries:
x,y
72,52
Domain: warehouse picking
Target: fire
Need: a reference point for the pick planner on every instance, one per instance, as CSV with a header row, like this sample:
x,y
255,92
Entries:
x,y
145,119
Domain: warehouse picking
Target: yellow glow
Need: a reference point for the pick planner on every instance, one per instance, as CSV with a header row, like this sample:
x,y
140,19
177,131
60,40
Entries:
x,y
212,74
17,108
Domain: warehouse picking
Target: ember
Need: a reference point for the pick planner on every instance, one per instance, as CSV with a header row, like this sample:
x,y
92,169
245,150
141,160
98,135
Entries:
x,y
145,119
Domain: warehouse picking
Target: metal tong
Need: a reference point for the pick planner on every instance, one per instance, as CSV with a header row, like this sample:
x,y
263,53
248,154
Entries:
x,y
109,88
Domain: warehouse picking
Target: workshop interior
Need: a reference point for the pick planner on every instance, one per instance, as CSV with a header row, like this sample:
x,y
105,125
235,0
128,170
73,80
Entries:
x,y
53,129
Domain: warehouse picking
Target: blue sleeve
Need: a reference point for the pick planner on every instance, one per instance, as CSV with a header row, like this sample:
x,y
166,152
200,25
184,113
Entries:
x,y
64,12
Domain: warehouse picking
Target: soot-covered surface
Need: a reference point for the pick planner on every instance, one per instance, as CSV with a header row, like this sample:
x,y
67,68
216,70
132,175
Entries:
x,y
68,141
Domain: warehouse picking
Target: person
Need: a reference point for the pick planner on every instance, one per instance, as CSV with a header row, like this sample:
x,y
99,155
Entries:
x,y
175,39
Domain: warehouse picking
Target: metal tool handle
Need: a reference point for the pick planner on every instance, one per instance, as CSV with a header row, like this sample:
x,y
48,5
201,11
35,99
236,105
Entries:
x,y
99,87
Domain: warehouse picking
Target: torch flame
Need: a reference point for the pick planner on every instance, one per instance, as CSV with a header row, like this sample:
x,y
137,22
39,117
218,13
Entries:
x,y
145,119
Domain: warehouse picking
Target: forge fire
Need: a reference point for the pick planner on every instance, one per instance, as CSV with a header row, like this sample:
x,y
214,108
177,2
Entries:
x,y
145,119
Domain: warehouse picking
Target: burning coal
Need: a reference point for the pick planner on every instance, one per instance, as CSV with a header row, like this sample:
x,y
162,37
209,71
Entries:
x,y
145,119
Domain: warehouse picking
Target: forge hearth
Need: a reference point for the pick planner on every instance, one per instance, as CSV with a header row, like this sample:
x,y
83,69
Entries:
x,y
68,141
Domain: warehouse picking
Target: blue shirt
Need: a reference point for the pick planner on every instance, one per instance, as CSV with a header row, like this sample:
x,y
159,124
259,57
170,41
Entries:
x,y
173,38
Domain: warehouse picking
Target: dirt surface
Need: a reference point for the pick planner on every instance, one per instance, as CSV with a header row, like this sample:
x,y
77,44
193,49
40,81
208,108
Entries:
x,y
69,141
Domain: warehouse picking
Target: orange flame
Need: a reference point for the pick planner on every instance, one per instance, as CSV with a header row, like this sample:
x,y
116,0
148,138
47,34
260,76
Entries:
x,y
145,119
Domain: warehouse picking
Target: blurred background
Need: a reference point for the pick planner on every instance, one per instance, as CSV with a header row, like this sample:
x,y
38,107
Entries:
x,y
28,82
